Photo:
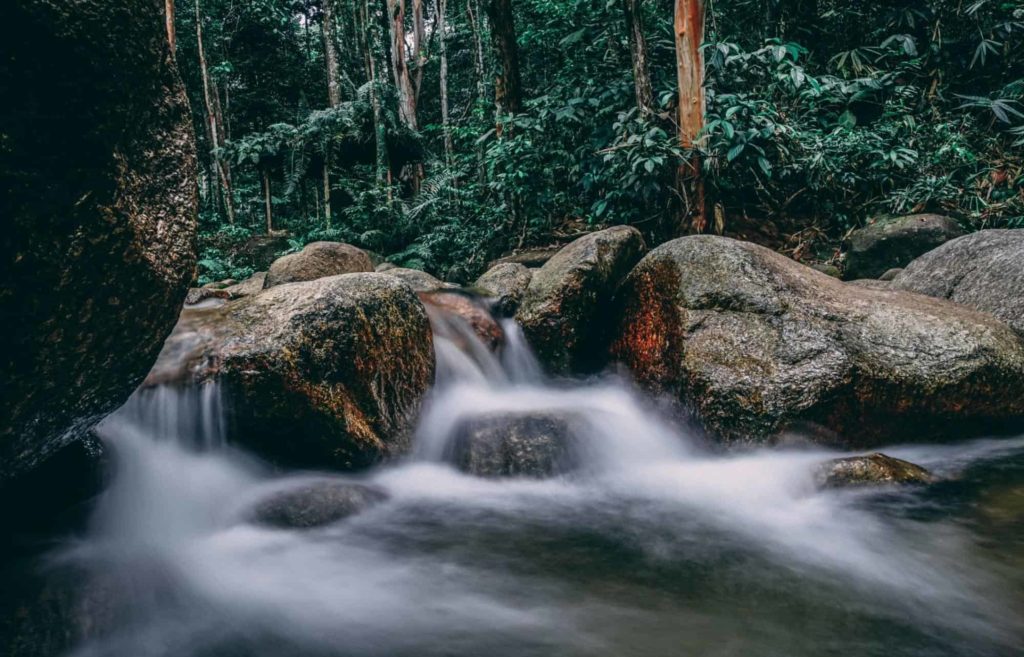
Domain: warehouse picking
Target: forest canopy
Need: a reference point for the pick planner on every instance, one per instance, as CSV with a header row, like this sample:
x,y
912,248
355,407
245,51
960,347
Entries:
x,y
441,134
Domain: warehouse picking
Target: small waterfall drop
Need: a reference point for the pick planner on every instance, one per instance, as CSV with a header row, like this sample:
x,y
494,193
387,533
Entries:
x,y
651,546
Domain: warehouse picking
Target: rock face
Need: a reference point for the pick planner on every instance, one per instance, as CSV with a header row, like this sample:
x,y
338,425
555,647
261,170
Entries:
x,y
889,243
98,197
564,313
757,343
315,504
984,270
504,445
506,284
326,373
871,470
317,260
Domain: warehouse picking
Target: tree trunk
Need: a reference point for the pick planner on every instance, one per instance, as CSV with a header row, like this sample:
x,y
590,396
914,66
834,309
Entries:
x,y
399,64
508,93
419,55
478,46
169,22
211,117
442,8
632,9
689,33
373,25
266,202
331,56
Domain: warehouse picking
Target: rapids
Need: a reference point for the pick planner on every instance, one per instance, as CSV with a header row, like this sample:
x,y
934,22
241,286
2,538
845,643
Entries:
x,y
654,546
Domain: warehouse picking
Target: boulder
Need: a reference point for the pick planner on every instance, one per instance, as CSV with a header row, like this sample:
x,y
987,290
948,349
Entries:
x,y
890,274
386,266
324,373
532,258
259,251
419,281
757,344
871,283
894,242
98,197
506,284
317,260
248,287
871,470
466,308
197,295
565,312
830,270
314,504
984,271
505,444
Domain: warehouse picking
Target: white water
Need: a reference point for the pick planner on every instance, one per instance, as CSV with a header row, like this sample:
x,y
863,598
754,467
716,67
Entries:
x,y
651,547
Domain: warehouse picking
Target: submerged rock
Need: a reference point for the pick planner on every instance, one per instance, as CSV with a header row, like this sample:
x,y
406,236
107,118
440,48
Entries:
x,y
325,373
565,312
894,242
467,309
757,343
317,260
871,470
507,444
506,284
315,504
98,197
984,271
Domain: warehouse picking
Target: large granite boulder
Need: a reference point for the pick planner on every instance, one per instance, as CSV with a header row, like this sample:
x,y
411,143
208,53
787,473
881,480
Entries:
x,y
420,281
984,270
317,260
515,445
98,197
565,312
757,344
325,373
506,285
894,242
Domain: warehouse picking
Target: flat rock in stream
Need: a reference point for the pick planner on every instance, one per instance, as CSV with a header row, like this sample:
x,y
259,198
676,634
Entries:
x,y
870,470
506,284
510,445
757,343
315,504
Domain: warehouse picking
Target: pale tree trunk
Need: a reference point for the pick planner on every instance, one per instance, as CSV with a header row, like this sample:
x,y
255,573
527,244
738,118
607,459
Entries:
x,y
419,54
374,46
689,33
169,23
333,97
211,117
266,202
633,12
442,8
508,93
478,46
399,64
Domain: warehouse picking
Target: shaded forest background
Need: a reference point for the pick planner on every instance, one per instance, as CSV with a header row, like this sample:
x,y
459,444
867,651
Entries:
x,y
443,133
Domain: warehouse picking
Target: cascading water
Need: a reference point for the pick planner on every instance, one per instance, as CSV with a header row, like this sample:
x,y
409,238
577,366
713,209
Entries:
x,y
649,547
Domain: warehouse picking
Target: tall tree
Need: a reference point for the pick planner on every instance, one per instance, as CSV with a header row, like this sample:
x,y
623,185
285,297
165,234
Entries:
x,y
442,10
218,167
333,97
169,23
400,64
633,12
689,33
508,86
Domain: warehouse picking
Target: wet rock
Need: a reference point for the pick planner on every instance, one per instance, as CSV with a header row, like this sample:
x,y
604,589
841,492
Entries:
x,y
385,266
891,274
324,373
468,309
506,284
984,271
757,343
98,197
871,470
504,445
419,281
315,504
197,295
894,242
248,287
565,312
317,260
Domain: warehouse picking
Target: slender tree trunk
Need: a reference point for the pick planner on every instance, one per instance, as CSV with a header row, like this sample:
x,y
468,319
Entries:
x,y
472,16
689,33
399,64
211,116
375,45
266,202
419,54
633,11
331,55
508,93
169,23
442,8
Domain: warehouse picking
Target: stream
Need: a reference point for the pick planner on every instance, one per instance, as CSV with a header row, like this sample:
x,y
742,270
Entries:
x,y
653,545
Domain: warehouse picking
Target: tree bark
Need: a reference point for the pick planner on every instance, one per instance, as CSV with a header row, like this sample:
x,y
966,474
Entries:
x,y
689,33
169,22
399,64
374,45
442,8
419,55
633,12
211,117
472,16
508,93
266,202
331,56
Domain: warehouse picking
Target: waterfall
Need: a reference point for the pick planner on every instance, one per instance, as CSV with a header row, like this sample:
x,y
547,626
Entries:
x,y
649,546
